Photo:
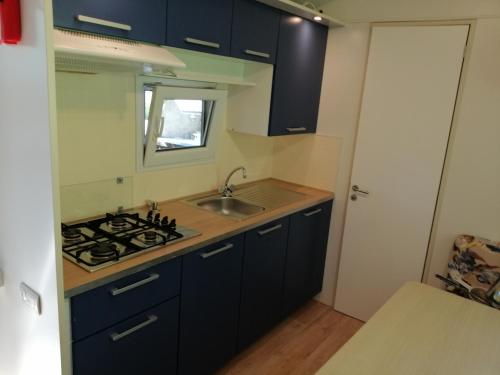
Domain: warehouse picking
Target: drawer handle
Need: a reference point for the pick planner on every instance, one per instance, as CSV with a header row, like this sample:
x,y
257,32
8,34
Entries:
x,y
147,280
202,42
227,247
269,230
257,53
294,130
311,213
101,22
118,336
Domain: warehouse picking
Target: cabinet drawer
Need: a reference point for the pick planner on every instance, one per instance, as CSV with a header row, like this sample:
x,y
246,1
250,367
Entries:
x,y
255,31
143,344
139,20
111,303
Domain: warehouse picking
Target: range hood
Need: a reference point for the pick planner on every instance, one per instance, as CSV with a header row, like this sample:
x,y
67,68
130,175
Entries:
x,y
88,53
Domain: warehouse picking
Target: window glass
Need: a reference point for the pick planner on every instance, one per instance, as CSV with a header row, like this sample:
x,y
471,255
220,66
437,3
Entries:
x,y
178,123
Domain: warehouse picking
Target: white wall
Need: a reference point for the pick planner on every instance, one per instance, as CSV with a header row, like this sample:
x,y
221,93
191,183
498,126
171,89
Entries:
x,y
29,344
469,200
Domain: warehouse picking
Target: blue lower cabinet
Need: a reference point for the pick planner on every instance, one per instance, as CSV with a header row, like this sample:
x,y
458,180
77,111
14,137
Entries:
x,y
143,344
262,281
305,258
210,298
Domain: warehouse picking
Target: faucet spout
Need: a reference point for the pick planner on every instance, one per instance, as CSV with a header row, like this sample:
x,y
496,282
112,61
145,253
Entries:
x,y
227,189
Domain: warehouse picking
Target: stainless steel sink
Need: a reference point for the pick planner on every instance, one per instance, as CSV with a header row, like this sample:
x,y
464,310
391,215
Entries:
x,y
229,206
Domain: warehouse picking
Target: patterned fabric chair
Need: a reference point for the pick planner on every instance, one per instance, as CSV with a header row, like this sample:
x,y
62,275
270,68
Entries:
x,y
475,261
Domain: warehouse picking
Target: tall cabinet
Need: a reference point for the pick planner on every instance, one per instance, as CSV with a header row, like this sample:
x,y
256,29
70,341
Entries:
x,y
298,75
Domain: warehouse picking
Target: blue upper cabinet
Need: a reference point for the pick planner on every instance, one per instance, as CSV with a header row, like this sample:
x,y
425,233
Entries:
x,y
297,76
200,25
255,31
139,20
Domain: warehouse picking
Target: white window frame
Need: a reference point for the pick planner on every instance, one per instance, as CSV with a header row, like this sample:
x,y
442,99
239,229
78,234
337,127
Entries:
x,y
147,158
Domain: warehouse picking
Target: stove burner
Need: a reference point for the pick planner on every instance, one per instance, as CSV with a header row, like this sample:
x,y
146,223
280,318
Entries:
x,y
104,250
72,234
150,236
118,223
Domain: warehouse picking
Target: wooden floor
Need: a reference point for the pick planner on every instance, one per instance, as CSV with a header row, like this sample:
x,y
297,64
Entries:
x,y
298,346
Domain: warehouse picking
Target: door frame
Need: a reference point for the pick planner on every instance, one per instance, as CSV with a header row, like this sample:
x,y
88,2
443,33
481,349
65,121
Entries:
x,y
449,147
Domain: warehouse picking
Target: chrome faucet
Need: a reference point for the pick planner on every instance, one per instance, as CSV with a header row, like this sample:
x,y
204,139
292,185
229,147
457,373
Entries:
x,y
227,189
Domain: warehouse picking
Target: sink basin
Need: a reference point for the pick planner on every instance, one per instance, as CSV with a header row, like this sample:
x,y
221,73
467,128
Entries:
x,y
229,206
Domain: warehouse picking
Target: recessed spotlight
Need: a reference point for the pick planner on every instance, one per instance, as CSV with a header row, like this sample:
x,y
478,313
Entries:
x,y
317,18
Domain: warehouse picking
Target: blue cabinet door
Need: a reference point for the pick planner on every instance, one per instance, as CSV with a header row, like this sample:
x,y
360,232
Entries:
x,y
139,20
262,281
297,76
200,25
210,297
143,344
305,258
255,31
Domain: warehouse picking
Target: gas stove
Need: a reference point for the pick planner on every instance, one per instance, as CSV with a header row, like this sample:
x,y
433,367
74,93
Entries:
x,y
114,238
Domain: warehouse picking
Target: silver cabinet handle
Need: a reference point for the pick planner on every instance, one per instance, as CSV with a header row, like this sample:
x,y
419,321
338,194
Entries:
x,y
356,189
147,280
202,42
293,130
257,53
269,230
311,213
101,22
217,251
118,336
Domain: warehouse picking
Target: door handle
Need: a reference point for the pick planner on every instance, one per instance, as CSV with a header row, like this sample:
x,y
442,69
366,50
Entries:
x,y
269,230
311,213
295,130
116,292
101,22
356,189
201,42
257,53
222,249
118,336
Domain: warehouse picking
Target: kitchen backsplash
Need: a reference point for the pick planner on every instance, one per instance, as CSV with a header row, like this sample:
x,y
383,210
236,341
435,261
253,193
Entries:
x,y
97,130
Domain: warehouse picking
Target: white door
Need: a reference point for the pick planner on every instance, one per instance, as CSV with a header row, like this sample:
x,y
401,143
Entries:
x,y
410,90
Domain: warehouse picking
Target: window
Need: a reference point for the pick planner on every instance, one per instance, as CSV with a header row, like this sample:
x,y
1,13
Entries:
x,y
178,124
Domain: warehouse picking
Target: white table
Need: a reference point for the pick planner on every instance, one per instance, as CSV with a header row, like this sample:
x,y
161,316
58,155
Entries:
x,y
422,330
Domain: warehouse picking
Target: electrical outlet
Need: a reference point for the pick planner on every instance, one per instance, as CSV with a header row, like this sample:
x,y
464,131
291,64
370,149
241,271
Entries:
x,y
31,298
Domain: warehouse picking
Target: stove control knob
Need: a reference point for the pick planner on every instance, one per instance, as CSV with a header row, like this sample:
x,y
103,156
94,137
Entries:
x,y
150,215
157,219
164,221
173,224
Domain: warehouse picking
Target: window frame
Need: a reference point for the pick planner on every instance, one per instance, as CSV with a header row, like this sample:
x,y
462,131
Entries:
x,y
147,159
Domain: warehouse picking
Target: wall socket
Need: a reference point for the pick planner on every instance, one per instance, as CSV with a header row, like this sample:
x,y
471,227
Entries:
x,y
31,298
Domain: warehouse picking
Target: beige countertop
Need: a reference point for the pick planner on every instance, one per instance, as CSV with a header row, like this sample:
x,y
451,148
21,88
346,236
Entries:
x,y
422,330
213,227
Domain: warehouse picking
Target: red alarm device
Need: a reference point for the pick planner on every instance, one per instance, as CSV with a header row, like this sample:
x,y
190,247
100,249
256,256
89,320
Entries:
x,y
10,21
